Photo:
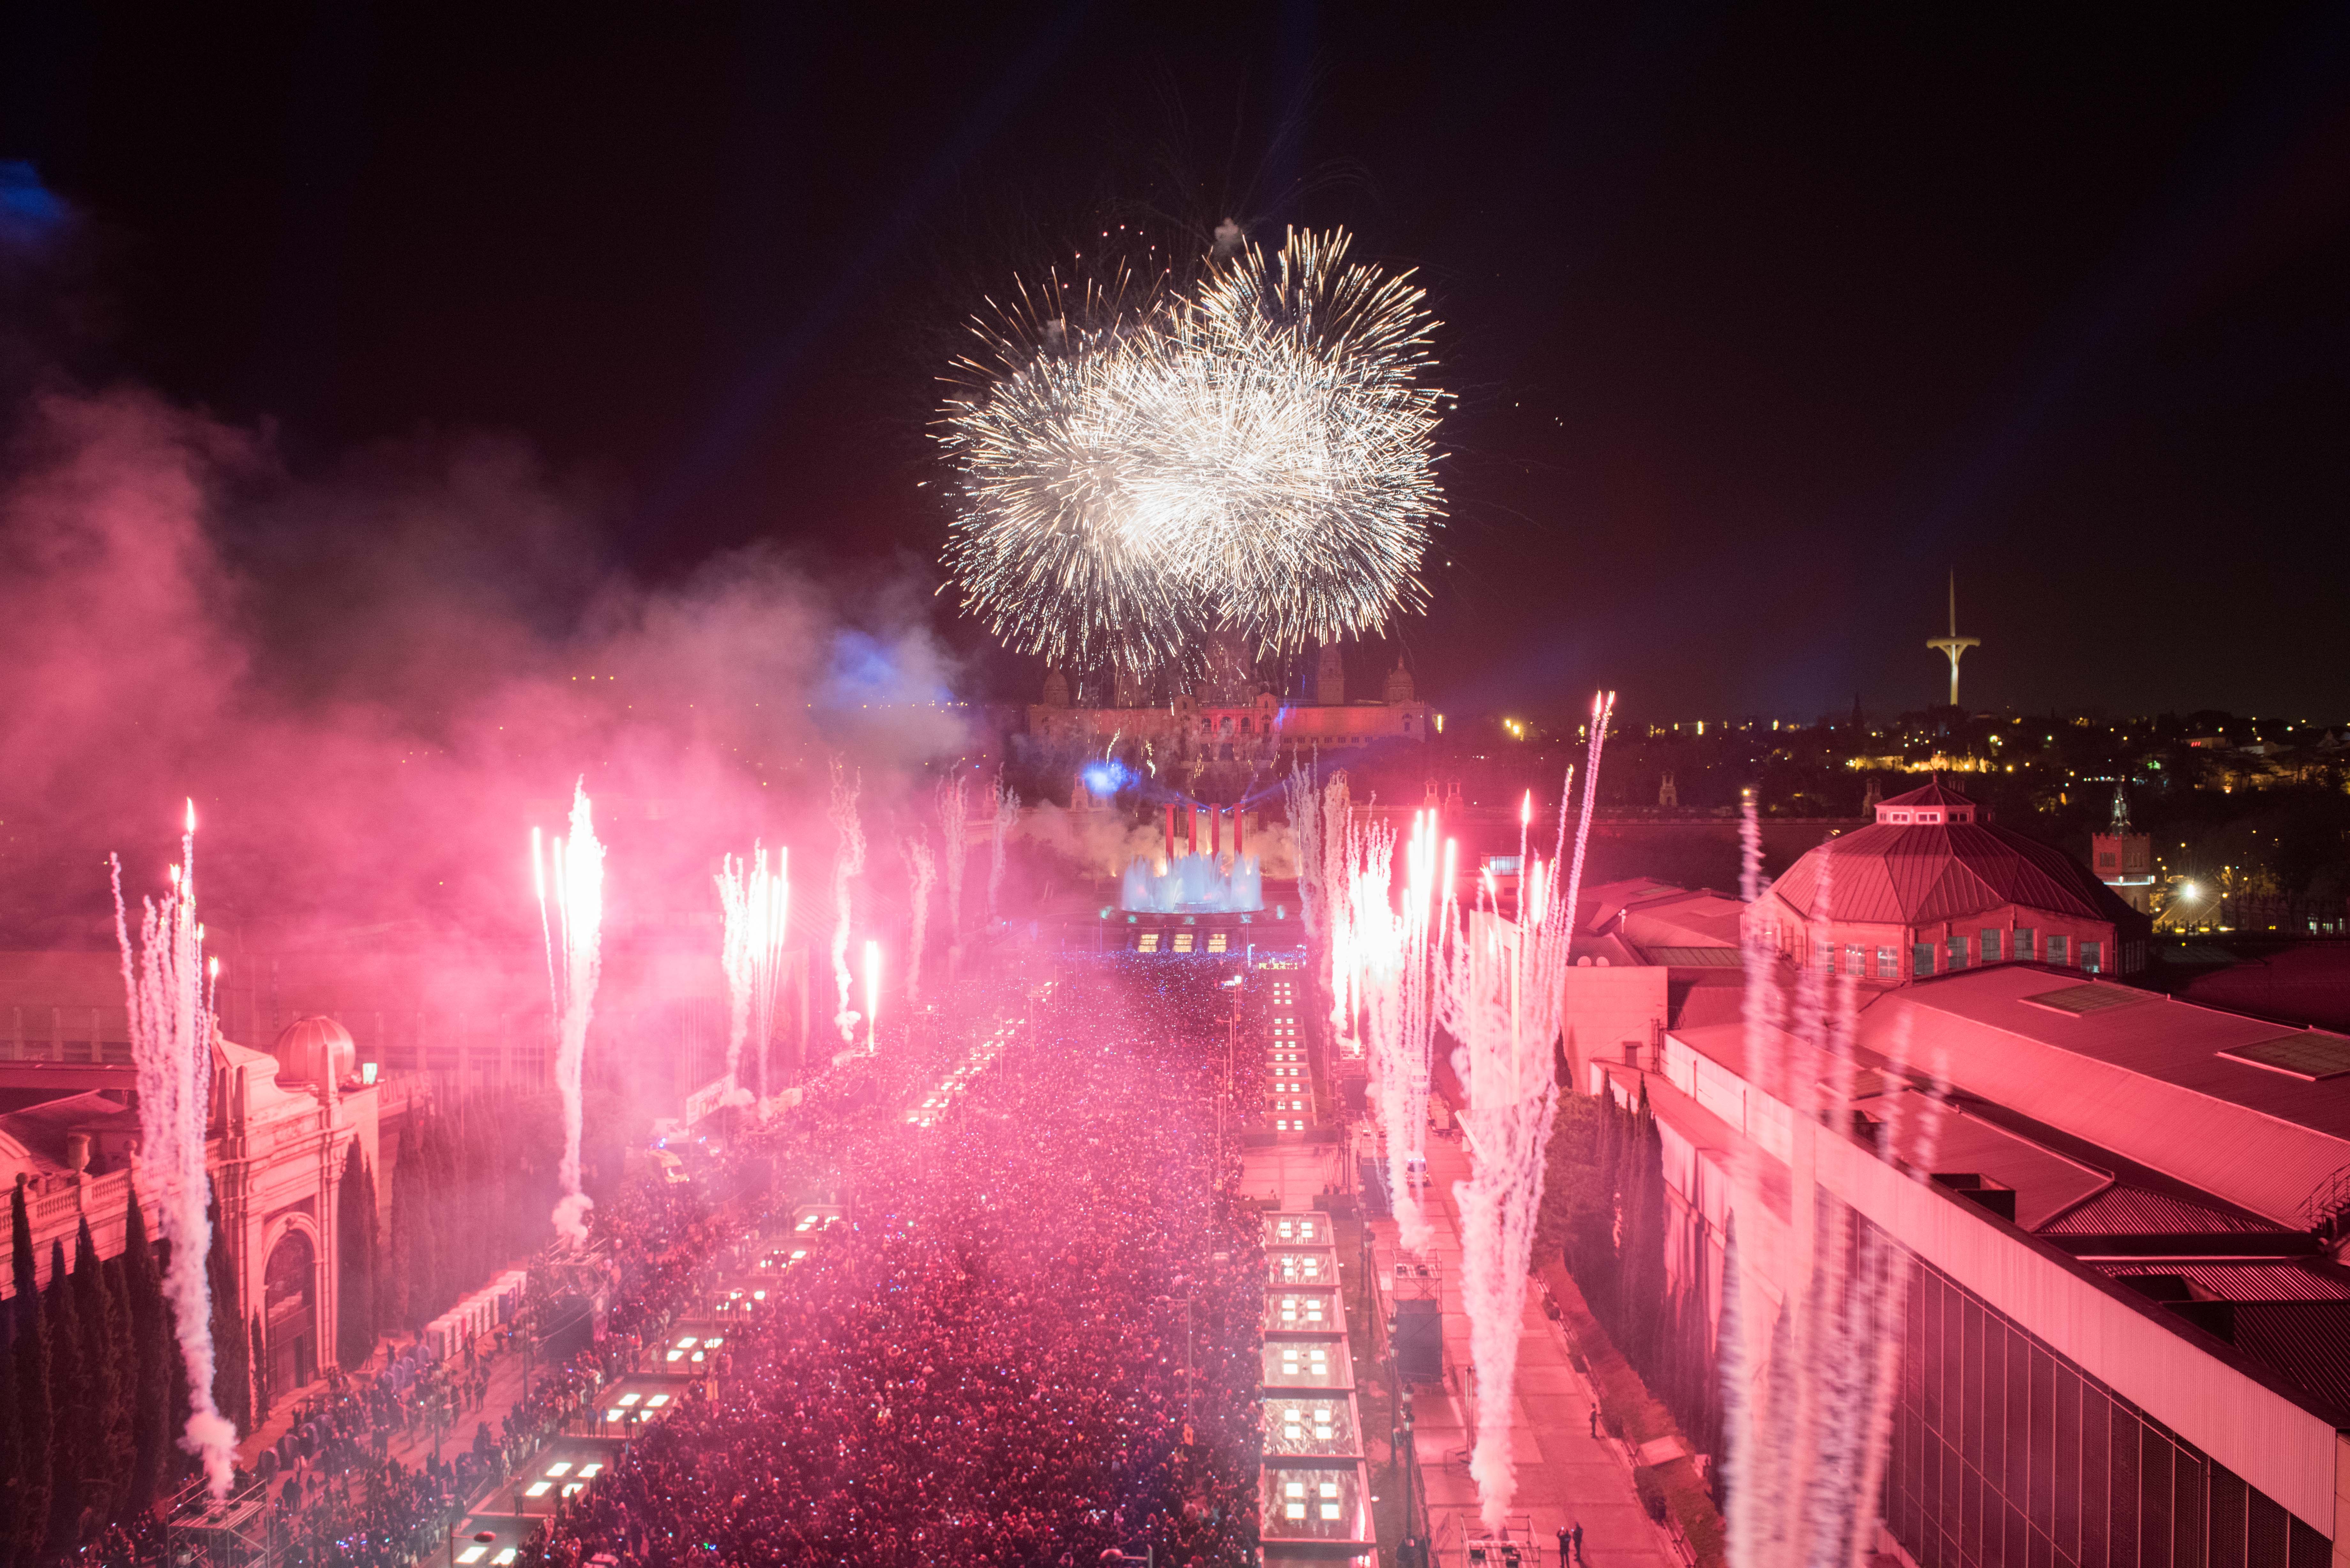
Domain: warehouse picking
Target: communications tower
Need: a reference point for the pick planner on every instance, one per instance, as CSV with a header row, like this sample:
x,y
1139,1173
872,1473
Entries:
x,y
1954,645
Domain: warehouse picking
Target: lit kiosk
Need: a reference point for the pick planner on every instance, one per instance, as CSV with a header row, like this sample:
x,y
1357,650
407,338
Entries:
x,y
1313,1492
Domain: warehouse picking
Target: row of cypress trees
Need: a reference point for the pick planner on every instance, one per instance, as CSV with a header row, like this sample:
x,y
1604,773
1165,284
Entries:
x,y
1604,1208
91,1385
93,1389
472,1184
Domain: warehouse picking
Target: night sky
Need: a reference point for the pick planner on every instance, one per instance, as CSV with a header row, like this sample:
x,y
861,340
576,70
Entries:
x,y
1762,320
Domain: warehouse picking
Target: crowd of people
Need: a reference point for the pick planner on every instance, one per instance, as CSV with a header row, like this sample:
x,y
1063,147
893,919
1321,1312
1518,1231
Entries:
x,y
1032,1340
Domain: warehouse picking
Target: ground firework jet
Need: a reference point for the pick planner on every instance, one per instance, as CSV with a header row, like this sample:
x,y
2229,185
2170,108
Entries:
x,y
573,873
756,900
1501,993
1807,1396
172,1030
848,863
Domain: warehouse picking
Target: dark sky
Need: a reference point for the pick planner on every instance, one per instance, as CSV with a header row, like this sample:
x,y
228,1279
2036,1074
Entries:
x,y
1760,318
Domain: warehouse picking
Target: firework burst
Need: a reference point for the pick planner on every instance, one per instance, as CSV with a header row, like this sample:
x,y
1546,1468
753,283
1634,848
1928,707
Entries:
x,y
1137,466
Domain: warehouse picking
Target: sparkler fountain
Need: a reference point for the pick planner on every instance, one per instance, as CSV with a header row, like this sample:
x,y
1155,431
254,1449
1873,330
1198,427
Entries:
x,y
575,938
1007,811
1501,995
172,1030
872,995
757,903
923,868
846,862
1807,1400
1399,953
954,831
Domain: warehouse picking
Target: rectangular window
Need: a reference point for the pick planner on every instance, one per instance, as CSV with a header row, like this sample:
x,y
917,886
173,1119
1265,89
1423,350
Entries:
x,y
1958,952
2057,948
2155,1457
1852,959
2022,945
2093,955
1991,936
1921,960
1888,963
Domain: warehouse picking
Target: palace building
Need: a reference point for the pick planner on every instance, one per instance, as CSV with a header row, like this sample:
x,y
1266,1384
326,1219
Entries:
x,y
2123,1315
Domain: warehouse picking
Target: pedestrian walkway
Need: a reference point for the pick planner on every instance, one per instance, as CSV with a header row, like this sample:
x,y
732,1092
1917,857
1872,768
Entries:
x,y
410,1447
1565,1475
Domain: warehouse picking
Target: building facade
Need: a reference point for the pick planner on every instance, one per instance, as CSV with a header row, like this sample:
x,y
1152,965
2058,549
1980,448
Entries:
x,y
2117,1219
1933,887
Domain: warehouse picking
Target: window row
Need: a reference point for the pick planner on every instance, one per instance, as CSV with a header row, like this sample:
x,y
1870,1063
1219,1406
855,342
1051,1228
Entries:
x,y
2005,1455
1993,944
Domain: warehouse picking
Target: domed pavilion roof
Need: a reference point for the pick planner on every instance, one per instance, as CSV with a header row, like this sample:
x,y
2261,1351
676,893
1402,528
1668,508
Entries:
x,y
1930,856
314,1050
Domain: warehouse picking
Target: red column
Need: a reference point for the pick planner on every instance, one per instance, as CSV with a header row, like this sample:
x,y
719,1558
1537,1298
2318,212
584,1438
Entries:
x,y
1216,832
1170,830
1191,830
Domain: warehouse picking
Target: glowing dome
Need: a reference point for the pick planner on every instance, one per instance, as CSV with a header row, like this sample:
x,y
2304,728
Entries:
x,y
314,1050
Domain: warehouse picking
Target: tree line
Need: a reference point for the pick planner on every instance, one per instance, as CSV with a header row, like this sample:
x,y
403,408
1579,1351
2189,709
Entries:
x,y
472,1186
1604,1211
93,1387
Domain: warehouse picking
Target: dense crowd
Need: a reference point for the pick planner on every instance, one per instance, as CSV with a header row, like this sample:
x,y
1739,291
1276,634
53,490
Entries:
x,y
1033,1340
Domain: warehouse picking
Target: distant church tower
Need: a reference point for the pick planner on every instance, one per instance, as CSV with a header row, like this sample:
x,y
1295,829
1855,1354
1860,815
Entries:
x,y
1057,687
1669,796
2124,857
1330,678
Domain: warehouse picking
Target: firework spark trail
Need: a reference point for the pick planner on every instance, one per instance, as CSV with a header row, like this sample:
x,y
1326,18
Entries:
x,y
579,880
955,830
1007,811
1305,831
1807,1401
757,905
922,866
1138,467
848,861
1502,992
872,995
171,1030
1337,823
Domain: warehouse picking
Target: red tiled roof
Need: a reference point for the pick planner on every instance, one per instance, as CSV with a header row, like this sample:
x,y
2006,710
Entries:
x,y
1903,874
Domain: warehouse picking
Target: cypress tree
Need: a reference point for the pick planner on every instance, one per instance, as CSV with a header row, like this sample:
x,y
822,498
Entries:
x,y
158,1361
12,1478
1608,1175
355,1300
24,1268
34,1430
232,1371
70,1399
1644,1240
372,1210
260,1374
30,1525
396,1298
111,1365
